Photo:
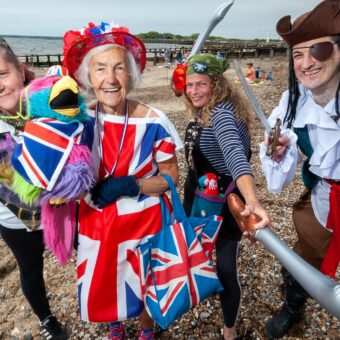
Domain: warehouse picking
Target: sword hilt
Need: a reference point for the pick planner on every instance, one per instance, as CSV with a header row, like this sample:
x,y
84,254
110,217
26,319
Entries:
x,y
273,139
246,224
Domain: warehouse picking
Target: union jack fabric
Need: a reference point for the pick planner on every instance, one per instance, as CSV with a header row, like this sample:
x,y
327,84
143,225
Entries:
x,y
109,285
207,229
43,153
176,274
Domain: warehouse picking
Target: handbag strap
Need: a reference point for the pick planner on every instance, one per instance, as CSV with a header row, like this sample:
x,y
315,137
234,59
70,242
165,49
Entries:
x,y
178,210
166,217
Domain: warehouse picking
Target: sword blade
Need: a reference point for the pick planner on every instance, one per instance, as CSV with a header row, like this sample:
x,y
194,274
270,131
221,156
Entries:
x,y
217,16
251,97
321,287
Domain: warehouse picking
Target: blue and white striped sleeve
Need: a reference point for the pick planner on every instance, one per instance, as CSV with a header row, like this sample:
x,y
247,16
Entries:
x,y
231,140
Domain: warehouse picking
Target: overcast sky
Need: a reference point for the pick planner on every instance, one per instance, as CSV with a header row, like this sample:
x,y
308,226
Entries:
x,y
247,19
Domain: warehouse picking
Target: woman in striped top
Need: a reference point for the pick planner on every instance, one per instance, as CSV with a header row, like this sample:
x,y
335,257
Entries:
x,y
217,141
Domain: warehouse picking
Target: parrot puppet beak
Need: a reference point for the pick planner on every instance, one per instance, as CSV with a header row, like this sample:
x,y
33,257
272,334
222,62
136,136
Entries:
x,y
64,97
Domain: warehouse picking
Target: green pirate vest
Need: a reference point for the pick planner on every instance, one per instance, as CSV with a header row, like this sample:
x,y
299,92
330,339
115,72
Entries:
x,y
308,178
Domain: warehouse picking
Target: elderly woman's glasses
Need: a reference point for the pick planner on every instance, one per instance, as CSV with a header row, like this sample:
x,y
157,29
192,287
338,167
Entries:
x,y
320,51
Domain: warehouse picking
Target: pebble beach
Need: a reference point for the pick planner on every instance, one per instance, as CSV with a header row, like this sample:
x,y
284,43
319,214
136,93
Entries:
x,y
260,276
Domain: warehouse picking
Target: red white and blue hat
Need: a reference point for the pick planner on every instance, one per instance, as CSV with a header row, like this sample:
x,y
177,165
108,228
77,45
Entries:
x,y
78,43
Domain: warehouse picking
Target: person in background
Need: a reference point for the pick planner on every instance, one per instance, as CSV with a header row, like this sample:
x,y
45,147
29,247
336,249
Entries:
x,y
133,145
258,70
219,55
19,224
269,75
217,142
171,56
179,56
309,112
167,55
250,75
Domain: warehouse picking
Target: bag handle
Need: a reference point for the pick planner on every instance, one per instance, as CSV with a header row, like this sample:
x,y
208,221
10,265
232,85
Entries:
x,y
178,210
166,218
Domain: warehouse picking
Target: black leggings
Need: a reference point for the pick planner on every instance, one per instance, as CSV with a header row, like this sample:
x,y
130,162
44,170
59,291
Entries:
x,y
226,253
226,262
28,248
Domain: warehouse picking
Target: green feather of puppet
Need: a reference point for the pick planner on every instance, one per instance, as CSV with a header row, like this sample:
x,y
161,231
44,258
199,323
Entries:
x,y
27,192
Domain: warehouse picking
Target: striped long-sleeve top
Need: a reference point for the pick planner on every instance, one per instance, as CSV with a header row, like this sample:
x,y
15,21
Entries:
x,y
226,143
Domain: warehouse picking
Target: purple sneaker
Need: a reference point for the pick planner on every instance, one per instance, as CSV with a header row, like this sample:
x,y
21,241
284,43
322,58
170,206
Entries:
x,y
146,334
117,331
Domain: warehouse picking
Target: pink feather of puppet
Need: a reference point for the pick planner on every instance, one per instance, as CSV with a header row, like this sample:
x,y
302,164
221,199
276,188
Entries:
x,y
52,165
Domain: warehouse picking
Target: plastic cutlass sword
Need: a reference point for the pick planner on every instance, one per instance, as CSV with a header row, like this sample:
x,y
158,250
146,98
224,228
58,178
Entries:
x,y
217,16
275,132
321,287
251,97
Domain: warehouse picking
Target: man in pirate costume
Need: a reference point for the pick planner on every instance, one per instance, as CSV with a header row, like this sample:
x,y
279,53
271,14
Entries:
x,y
309,112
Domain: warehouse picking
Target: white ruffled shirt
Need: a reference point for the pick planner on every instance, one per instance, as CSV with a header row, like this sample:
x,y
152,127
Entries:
x,y
324,134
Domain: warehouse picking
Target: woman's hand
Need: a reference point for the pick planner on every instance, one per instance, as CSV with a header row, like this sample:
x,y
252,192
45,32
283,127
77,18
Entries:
x,y
246,185
249,217
111,188
254,212
256,208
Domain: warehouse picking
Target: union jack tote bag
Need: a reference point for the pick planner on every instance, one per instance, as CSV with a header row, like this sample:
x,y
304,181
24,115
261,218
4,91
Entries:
x,y
176,273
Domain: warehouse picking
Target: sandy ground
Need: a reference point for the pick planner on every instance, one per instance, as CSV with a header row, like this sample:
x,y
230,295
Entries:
x,y
259,270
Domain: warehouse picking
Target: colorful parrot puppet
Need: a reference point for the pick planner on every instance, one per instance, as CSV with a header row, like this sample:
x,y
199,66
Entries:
x,y
52,165
208,184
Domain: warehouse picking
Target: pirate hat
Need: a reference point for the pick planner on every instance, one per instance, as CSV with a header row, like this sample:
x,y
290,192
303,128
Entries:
x,y
322,21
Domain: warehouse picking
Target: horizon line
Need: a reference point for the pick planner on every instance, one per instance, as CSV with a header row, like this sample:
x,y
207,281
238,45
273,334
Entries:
x,y
60,37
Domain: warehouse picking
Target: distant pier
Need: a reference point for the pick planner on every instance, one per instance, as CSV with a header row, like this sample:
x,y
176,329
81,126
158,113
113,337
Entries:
x,y
229,50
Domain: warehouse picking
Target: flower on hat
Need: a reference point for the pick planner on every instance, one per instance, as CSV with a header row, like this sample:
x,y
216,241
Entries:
x,y
78,42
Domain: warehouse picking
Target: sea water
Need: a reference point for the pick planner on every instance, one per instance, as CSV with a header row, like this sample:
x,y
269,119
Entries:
x,y
27,46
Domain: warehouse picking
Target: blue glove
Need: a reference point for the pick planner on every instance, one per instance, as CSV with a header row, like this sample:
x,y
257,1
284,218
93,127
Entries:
x,y
111,188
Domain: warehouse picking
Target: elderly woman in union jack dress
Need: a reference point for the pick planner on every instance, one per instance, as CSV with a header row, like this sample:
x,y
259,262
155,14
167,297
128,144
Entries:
x,y
133,144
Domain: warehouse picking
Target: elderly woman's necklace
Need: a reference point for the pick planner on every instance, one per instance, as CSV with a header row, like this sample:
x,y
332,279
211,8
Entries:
x,y
126,119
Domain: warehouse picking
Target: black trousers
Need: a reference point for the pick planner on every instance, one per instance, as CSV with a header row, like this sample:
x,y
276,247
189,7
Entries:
x,y
28,248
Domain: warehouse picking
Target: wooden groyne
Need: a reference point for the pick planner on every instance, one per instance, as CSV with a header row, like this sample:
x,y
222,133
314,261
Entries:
x,y
156,55
41,60
228,51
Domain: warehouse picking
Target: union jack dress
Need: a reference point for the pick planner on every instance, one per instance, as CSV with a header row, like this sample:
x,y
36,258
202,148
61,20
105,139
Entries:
x,y
109,286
